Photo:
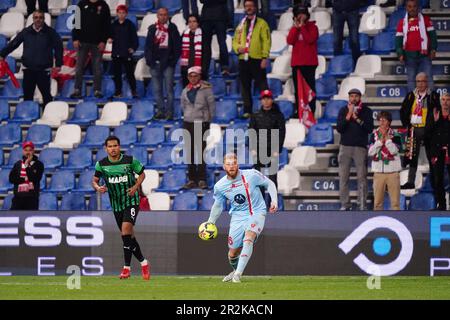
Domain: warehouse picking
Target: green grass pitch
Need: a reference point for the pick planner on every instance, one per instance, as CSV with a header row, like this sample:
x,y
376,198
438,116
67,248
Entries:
x,y
211,287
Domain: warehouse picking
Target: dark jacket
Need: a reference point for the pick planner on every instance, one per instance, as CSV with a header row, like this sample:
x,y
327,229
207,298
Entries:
x,y
39,48
272,119
167,57
346,5
214,10
355,134
34,173
124,37
438,132
95,22
405,110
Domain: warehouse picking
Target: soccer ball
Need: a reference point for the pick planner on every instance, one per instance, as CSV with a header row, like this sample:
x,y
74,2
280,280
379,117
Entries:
x,y
207,231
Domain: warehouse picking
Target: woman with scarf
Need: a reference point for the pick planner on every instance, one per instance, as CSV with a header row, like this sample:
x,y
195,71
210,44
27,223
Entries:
x,y
191,48
385,148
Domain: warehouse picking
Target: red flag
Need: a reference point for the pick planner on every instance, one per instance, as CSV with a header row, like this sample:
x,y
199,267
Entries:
x,y
5,70
304,96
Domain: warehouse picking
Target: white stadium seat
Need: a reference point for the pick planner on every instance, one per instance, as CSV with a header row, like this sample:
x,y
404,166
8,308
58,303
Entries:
x,y
67,136
11,23
348,84
295,134
107,55
151,181
279,43
215,50
285,23
281,68
142,70
238,6
147,21
288,91
18,52
113,114
20,7
303,157
288,179
179,21
55,113
57,7
113,5
373,20
367,66
322,19
159,201
214,137
417,183
319,110
47,18
53,90
322,67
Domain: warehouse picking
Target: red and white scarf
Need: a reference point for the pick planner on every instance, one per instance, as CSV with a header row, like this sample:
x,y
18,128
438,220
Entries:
x,y
249,34
27,186
162,35
422,30
185,47
191,86
417,114
384,153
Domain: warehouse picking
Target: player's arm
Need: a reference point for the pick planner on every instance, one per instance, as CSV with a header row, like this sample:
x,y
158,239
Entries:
x,y
131,191
263,181
96,180
217,208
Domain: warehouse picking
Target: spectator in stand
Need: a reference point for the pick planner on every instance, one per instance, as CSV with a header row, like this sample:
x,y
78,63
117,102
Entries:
x,y
31,6
26,177
269,118
41,45
354,123
346,11
189,8
416,43
252,42
385,148
198,104
191,48
162,51
439,131
91,39
124,43
303,37
214,20
415,113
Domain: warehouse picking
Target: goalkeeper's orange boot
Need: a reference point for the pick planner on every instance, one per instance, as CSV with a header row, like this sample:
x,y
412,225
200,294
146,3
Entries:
x,y
125,273
146,271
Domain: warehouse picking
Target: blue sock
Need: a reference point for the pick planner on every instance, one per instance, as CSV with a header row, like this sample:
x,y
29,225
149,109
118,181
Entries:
x,y
233,262
246,253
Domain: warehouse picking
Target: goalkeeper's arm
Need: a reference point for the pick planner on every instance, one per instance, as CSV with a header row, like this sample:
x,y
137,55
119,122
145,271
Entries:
x,y
216,211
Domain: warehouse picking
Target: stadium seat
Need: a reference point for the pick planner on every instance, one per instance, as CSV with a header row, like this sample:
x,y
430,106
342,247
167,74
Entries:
x,y
322,19
368,66
276,86
7,202
11,92
73,202
147,21
53,91
55,113
151,181
95,136
3,41
284,158
4,110
332,110
426,185
172,5
215,50
285,21
322,67
14,156
364,44
84,181
142,70
139,153
186,201
142,112
10,134
108,89
57,7
140,6
48,201
340,66
161,158
113,5
303,157
394,18
286,108
19,7
173,180
288,179
151,136
2,157
79,159
101,153
5,185
373,20
417,183
279,43
214,137
39,134
319,135
387,202
279,5
383,43
159,201
67,136
218,86
113,114
6,4
11,23
206,202
281,68
62,181
295,134
26,112
68,88
52,158
325,44
326,87
85,114
422,201
127,133
105,203
48,20
349,83
226,111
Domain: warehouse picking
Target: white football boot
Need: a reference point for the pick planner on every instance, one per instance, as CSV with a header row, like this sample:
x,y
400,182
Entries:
x,y
237,277
229,277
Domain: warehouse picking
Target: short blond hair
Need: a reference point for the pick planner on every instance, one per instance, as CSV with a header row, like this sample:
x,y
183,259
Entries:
x,y
230,155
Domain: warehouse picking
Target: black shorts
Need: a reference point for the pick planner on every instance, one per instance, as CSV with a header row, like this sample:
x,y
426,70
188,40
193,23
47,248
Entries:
x,y
128,215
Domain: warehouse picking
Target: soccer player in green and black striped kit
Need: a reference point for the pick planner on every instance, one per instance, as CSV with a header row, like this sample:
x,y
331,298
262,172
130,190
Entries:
x,y
118,171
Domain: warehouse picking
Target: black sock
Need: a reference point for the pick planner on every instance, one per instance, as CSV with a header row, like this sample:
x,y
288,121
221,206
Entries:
x,y
137,250
128,246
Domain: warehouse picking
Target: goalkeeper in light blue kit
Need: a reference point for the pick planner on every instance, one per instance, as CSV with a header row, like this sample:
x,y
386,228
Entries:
x,y
248,211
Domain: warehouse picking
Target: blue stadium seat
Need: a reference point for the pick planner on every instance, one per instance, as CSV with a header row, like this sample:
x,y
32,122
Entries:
x,y
186,201
67,90
140,153
383,43
10,91
4,110
172,5
326,87
284,158
422,201
79,159
26,112
178,89
127,133
238,132
207,202
395,17
172,181
319,135
7,202
101,153
161,158
152,136
132,17
52,158
173,140
332,110
14,156
2,158
218,86
12,65
276,86
387,202
286,108
84,181
142,112
177,111
6,4
3,40
85,113
73,202
62,181
364,43
108,89
325,44
426,186
280,5
48,201
226,111
39,134
61,24
340,66
5,185
10,134
105,203
140,6
95,136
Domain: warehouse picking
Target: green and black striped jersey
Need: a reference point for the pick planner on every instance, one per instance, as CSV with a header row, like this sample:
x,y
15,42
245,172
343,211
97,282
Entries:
x,y
120,176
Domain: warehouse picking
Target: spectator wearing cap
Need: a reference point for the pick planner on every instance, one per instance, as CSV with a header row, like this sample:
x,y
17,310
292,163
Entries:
x,y
303,37
270,118
26,176
252,42
198,105
191,48
385,147
42,49
124,43
354,123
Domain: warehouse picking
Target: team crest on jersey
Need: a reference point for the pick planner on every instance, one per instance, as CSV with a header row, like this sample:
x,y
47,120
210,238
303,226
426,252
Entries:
x,y
118,179
239,198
